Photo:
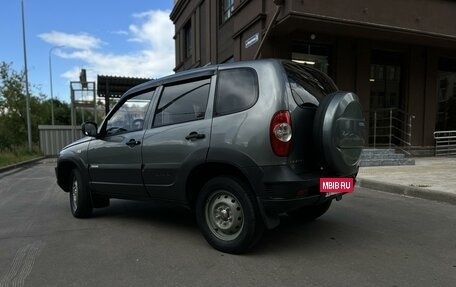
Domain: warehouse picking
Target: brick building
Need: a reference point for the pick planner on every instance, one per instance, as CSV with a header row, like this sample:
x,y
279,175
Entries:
x,y
399,56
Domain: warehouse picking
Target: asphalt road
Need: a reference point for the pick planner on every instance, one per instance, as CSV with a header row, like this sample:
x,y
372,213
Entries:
x,y
369,238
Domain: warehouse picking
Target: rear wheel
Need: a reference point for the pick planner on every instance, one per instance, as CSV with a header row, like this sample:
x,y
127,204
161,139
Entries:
x,y
80,200
310,213
227,215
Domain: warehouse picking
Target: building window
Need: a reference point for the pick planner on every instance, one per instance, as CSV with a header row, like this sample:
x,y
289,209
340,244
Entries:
x,y
446,93
227,9
386,80
188,39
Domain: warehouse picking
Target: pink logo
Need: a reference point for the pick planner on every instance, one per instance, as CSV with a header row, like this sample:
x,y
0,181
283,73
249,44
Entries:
x,y
337,185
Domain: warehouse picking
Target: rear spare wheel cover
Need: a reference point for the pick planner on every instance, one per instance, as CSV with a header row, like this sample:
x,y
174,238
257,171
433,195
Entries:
x,y
339,133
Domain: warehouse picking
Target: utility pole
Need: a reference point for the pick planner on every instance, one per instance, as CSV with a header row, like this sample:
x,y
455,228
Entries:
x,y
50,81
27,94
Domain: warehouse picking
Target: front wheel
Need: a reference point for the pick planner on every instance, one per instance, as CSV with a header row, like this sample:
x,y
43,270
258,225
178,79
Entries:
x,y
227,215
80,200
309,213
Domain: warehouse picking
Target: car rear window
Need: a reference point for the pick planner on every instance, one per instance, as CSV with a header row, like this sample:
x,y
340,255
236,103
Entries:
x,y
308,86
237,90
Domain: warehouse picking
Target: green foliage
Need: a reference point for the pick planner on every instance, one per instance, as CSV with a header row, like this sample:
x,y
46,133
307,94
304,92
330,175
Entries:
x,y
12,107
18,154
13,118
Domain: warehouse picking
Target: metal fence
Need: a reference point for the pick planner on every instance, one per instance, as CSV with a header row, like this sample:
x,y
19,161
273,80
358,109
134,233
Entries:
x,y
445,143
391,128
54,138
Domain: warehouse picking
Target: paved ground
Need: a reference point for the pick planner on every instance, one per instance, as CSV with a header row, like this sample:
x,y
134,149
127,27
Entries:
x,y
430,178
369,238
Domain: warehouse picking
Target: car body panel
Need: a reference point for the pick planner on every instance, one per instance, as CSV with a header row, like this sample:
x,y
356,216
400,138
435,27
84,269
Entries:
x,y
115,167
166,150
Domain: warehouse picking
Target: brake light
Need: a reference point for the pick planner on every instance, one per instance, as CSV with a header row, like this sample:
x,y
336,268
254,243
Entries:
x,y
280,133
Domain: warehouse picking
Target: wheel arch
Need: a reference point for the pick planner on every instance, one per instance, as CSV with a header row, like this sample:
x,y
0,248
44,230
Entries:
x,y
204,172
64,169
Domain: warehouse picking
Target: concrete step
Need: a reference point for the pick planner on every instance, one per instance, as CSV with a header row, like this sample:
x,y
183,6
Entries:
x,y
384,157
378,151
387,162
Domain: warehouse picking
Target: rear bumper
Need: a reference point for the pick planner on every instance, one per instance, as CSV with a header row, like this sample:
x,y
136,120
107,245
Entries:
x,y
283,190
277,206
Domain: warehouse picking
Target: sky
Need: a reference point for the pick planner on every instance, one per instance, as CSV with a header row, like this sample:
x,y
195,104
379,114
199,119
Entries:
x,y
105,37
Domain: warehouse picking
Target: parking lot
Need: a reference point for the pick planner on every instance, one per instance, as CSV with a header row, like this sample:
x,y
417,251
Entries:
x,y
369,238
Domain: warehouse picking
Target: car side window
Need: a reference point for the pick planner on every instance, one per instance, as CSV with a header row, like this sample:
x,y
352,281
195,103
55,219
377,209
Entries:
x,y
237,90
182,103
130,116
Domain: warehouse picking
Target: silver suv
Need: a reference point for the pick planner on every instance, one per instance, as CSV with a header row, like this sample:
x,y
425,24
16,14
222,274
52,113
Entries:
x,y
239,144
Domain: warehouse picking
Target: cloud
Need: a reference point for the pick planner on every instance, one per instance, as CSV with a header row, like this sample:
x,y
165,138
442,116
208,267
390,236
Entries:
x,y
76,41
152,30
120,32
154,24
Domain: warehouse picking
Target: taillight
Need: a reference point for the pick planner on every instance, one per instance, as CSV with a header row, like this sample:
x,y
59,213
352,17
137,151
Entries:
x,y
280,133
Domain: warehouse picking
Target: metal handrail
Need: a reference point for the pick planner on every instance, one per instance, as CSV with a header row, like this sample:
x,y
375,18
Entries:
x,y
398,126
445,143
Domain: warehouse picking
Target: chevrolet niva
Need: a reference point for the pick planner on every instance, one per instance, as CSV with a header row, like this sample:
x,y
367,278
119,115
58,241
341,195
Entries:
x,y
238,144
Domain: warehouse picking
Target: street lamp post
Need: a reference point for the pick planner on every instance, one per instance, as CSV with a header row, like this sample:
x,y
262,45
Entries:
x,y
27,94
50,81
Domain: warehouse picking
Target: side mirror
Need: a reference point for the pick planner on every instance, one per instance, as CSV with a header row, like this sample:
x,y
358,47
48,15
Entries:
x,y
89,129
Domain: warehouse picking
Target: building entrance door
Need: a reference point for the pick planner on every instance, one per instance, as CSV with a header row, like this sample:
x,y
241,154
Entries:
x,y
386,97
446,92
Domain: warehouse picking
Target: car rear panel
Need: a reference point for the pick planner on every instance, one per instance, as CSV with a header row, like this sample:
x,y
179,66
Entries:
x,y
306,87
247,131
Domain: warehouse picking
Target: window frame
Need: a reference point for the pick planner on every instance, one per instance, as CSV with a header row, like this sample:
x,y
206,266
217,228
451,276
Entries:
x,y
171,84
188,47
103,128
226,12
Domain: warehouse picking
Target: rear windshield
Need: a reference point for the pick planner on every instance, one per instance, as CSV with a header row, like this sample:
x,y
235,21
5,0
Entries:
x,y
308,86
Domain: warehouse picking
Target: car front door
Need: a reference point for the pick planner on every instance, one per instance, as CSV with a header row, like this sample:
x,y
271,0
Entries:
x,y
179,137
115,157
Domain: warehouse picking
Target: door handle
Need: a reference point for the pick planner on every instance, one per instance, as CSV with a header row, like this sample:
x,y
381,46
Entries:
x,y
133,142
195,136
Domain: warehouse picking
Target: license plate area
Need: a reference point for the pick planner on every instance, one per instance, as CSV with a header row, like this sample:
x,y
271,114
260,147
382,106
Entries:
x,y
334,185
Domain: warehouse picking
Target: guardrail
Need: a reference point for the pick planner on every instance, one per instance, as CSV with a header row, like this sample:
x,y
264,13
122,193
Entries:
x,y
445,143
391,127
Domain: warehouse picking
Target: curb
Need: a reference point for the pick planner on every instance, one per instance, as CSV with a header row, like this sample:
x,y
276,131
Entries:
x,y
412,191
20,164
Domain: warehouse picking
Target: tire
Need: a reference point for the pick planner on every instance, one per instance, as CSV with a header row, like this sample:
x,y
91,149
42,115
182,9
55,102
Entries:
x,y
227,215
80,200
309,213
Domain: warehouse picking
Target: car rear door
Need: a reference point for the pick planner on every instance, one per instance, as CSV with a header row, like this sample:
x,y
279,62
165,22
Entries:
x,y
179,136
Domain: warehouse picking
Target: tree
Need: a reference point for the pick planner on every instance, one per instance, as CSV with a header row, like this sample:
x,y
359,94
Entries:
x,y
13,124
13,121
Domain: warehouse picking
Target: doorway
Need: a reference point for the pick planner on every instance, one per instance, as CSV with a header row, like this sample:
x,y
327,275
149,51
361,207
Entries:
x,y
387,98
446,93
